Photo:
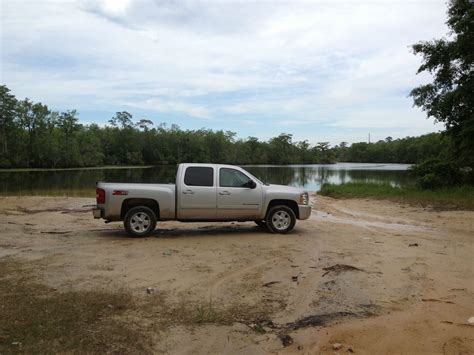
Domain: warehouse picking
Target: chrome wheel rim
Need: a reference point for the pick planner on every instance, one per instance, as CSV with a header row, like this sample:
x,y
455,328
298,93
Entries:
x,y
140,222
281,220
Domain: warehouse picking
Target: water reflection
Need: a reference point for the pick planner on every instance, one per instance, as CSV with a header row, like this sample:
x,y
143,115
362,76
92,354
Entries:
x,y
75,182
313,176
82,182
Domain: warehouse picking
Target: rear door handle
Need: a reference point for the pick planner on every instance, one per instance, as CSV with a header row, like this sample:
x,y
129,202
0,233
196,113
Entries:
x,y
188,192
224,193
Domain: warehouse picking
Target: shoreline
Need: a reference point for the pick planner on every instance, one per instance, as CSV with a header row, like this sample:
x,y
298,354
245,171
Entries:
x,y
105,167
446,198
370,166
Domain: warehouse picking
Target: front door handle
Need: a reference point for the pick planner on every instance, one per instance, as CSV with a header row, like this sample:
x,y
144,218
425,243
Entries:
x,y
188,192
224,193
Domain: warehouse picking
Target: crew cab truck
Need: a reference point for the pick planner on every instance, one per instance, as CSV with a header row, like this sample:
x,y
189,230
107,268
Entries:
x,y
203,192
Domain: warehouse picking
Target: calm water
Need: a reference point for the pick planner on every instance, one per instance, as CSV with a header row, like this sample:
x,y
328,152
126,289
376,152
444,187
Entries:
x,y
82,182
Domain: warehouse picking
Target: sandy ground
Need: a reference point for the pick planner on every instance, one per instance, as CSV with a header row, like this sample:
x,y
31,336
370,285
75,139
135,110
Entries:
x,y
379,277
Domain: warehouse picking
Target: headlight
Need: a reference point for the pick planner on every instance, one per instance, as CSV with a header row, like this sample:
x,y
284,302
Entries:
x,y
304,198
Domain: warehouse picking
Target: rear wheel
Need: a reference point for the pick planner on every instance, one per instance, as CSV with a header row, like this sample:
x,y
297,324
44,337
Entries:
x,y
140,221
280,219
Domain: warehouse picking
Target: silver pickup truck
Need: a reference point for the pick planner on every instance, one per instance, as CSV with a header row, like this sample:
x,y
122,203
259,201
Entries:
x,y
203,192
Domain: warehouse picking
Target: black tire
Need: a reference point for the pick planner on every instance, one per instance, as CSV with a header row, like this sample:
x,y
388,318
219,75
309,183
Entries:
x,y
280,219
139,221
261,223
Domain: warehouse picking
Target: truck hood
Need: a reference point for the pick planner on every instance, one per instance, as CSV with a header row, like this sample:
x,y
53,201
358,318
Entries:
x,y
287,189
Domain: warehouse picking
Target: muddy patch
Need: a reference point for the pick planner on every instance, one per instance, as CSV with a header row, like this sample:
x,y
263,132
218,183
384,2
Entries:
x,y
340,268
319,320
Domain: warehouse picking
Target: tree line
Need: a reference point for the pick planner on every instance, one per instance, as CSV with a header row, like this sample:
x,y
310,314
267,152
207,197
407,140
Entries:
x,y
33,136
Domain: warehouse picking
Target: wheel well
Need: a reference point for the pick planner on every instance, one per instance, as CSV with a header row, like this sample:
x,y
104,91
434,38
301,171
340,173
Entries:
x,y
290,203
134,202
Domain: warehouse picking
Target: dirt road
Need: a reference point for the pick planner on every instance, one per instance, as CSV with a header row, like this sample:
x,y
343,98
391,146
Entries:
x,y
362,276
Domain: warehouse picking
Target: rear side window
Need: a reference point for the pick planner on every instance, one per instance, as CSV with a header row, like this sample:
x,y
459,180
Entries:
x,y
199,176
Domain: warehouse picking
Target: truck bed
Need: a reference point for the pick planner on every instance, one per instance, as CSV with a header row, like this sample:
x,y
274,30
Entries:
x,y
116,193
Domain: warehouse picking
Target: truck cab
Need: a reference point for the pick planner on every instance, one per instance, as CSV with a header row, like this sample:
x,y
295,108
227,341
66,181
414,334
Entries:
x,y
218,192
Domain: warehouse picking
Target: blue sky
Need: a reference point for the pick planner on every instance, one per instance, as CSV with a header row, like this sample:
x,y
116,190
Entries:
x,y
320,70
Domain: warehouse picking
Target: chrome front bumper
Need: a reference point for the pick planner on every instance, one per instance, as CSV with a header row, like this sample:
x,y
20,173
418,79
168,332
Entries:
x,y
304,211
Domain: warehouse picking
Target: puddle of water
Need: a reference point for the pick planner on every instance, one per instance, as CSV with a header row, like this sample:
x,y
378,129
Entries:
x,y
324,216
354,213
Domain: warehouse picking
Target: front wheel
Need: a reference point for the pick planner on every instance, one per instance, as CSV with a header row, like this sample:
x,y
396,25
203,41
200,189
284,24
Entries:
x,y
140,221
280,219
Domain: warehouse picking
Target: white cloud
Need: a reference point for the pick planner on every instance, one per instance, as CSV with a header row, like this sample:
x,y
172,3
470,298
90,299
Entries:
x,y
160,105
115,7
333,64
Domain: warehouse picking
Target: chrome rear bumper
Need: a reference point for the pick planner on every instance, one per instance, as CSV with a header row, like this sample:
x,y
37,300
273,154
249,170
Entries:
x,y
97,212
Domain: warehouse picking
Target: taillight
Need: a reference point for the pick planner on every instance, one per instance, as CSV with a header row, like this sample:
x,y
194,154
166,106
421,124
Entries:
x,y
100,196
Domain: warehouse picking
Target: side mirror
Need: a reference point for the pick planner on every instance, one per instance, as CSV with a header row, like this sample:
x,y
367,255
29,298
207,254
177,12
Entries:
x,y
251,184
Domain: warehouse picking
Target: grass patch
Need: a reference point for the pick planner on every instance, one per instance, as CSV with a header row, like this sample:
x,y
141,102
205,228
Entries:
x,y
205,313
457,197
188,313
37,319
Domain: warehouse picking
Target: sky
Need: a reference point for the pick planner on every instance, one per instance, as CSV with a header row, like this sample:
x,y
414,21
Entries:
x,y
321,70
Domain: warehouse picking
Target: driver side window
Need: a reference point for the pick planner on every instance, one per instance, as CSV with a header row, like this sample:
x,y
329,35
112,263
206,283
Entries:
x,y
232,178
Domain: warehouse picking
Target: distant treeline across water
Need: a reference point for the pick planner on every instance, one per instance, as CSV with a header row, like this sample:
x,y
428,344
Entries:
x,y
33,136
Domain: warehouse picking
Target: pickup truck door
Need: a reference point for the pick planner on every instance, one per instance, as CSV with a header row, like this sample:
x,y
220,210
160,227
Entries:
x,y
235,197
197,193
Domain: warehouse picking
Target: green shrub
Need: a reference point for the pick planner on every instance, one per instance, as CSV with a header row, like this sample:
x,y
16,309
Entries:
x,y
434,173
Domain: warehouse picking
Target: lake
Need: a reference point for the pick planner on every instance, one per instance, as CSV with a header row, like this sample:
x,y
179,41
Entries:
x,y
81,182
